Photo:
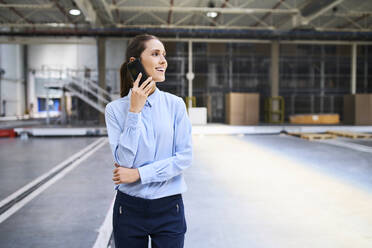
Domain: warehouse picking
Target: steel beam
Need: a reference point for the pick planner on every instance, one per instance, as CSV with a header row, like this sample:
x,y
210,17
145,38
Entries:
x,y
170,13
92,41
88,11
204,9
307,20
350,14
27,6
63,11
262,20
107,10
221,27
46,40
16,11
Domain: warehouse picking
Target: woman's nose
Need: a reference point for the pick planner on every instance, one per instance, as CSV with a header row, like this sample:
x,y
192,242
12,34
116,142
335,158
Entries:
x,y
163,60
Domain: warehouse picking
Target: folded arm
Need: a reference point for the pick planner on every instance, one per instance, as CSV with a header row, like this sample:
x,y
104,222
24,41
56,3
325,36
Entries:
x,y
166,169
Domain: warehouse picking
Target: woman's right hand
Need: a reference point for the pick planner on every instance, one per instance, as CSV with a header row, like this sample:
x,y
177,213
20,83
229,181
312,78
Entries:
x,y
140,94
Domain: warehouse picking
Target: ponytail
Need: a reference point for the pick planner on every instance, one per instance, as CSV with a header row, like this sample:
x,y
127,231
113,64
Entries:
x,y
126,82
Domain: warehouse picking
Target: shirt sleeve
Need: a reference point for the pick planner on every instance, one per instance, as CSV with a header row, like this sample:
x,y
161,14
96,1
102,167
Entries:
x,y
163,170
123,140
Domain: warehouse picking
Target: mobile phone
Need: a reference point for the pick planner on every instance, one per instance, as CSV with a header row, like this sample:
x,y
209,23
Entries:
x,y
135,67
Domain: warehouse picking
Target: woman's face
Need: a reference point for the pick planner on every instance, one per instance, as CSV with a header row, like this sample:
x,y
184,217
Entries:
x,y
153,60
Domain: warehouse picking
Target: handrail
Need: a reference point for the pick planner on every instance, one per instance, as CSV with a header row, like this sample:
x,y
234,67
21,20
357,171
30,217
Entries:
x,y
86,88
85,98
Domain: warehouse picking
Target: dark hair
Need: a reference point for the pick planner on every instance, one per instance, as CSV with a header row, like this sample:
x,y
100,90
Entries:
x,y
134,49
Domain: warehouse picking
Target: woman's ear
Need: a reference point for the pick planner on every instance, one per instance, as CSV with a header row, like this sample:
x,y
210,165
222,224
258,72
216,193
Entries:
x,y
131,59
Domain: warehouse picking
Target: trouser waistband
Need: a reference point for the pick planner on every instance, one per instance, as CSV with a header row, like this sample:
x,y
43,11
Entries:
x,y
133,200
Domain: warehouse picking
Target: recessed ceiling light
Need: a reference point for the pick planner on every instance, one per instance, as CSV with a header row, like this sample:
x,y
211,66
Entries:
x,y
74,12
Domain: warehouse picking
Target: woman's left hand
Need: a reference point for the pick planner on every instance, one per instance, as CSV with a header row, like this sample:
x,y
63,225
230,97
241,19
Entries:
x,y
125,175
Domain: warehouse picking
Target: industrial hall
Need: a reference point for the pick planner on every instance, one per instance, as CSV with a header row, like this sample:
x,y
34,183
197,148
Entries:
x,y
186,123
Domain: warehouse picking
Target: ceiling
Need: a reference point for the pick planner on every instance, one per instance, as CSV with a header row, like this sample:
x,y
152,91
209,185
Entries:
x,y
253,18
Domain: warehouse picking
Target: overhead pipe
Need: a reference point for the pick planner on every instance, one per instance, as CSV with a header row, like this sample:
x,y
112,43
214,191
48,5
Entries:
x,y
200,33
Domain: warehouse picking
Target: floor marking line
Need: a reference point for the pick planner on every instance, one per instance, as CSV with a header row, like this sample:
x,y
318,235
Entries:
x,y
47,174
71,162
345,144
105,230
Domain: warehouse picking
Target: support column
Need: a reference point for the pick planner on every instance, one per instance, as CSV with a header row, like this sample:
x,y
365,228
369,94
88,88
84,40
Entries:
x,y
47,107
274,77
274,72
2,72
101,70
25,77
190,75
230,68
353,68
322,79
365,90
32,101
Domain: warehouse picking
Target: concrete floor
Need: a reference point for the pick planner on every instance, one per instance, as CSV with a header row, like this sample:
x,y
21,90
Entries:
x,y
278,191
24,160
244,191
69,212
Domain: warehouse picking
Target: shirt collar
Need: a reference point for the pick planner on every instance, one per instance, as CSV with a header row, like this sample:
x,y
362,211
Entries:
x,y
151,99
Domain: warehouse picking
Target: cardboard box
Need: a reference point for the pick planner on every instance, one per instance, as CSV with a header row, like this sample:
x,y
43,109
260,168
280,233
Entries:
x,y
358,109
349,110
242,108
329,119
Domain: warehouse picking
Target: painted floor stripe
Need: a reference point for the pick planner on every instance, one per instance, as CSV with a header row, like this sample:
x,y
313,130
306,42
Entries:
x,y
105,230
64,167
345,144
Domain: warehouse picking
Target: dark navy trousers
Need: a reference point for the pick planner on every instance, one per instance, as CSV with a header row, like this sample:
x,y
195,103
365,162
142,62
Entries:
x,y
135,219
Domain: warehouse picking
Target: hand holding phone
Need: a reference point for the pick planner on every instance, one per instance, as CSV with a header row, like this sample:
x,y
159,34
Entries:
x,y
140,93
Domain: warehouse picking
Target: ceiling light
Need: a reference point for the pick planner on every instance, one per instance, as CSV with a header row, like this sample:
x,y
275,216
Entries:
x,y
74,12
212,14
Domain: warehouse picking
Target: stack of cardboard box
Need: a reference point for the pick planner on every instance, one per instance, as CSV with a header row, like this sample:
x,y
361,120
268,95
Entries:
x,y
358,109
242,108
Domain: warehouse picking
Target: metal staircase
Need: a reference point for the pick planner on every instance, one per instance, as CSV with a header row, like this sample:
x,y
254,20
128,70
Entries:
x,y
85,89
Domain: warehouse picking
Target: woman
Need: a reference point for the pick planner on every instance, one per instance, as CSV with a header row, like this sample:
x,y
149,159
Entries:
x,y
150,138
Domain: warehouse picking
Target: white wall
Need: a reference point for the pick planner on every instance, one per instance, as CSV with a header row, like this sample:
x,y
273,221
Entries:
x,y
12,83
69,56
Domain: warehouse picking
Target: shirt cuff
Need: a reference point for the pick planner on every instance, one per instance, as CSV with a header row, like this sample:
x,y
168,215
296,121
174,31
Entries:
x,y
146,172
133,119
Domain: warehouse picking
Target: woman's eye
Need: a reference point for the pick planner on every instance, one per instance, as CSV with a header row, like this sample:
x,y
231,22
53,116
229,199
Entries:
x,y
157,54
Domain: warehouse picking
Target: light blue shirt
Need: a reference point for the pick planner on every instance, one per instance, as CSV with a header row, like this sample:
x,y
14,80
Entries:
x,y
157,141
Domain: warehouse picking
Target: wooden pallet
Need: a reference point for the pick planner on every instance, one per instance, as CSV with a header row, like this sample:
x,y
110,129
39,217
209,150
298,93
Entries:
x,y
351,135
313,136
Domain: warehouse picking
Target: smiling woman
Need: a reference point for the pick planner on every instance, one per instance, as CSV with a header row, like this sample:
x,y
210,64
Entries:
x,y
150,138
153,60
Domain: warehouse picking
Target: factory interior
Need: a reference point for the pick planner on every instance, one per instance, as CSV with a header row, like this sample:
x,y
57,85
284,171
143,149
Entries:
x,y
278,93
